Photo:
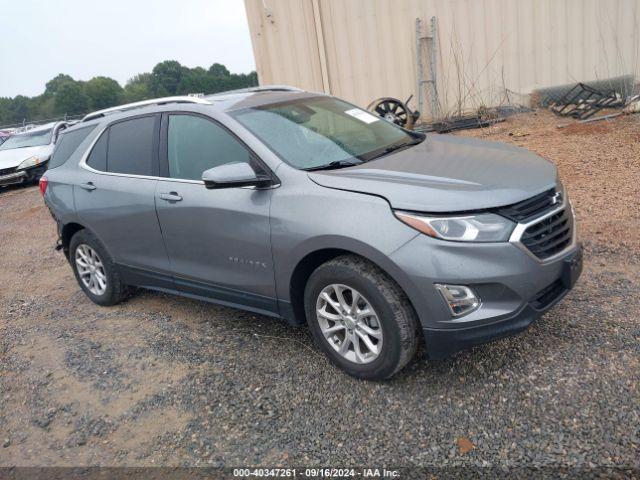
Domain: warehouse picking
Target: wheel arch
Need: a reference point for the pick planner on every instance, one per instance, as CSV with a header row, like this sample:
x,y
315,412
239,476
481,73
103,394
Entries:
x,y
312,259
67,231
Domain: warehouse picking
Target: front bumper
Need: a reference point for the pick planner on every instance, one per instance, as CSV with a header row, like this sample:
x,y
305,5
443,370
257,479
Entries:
x,y
14,177
514,287
23,176
443,343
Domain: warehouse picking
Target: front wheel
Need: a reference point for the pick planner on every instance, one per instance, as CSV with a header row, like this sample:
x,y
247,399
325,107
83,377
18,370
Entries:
x,y
360,318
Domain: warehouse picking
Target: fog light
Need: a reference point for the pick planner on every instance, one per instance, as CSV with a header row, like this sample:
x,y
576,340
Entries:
x,y
460,299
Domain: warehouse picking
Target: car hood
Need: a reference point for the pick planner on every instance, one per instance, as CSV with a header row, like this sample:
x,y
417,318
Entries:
x,y
446,173
12,158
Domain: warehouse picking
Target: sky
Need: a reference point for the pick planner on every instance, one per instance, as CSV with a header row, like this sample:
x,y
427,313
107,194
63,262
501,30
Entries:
x,y
116,38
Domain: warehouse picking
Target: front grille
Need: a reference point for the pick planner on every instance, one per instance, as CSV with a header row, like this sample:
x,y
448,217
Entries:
x,y
549,236
532,207
548,295
7,171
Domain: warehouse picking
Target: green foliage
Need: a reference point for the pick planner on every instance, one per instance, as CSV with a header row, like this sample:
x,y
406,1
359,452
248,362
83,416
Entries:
x,y
165,78
5,104
103,92
218,70
70,99
138,88
65,96
19,107
52,86
42,105
196,80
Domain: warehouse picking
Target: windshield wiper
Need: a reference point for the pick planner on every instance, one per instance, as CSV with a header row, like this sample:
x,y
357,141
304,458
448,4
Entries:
x,y
333,165
350,163
395,148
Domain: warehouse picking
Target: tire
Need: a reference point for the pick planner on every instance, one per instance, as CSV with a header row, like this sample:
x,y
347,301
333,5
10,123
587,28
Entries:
x,y
394,318
113,291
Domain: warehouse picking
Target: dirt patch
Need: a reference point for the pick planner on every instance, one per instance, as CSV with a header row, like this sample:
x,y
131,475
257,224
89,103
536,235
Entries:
x,y
599,128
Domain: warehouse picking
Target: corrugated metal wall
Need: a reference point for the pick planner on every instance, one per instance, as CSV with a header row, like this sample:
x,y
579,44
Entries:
x,y
486,49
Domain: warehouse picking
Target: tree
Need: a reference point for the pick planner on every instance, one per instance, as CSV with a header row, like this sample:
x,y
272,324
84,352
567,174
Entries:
x,y
70,99
218,70
19,109
165,78
42,106
138,88
54,84
64,95
5,103
196,80
251,78
103,92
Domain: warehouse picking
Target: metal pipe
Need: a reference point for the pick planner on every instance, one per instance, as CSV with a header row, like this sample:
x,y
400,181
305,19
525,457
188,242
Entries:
x,y
432,69
419,66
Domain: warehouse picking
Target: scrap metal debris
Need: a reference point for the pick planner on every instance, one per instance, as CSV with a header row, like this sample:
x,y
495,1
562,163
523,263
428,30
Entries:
x,y
583,101
631,106
461,123
483,117
395,111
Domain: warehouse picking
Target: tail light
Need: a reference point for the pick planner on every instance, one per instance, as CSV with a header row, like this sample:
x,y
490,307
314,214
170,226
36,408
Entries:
x,y
43,184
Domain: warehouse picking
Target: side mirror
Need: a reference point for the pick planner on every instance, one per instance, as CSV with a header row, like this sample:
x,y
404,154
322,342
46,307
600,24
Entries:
x,y
234,175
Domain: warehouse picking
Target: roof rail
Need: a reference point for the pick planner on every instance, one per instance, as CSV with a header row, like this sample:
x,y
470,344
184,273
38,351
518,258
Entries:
x,y
144,103
262,88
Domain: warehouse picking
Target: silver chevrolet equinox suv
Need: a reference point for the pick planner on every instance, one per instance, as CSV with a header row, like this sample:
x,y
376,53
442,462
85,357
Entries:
x,y
302,206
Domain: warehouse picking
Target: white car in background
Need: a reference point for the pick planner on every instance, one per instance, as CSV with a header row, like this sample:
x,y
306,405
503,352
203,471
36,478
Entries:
x,y
4,135
24,156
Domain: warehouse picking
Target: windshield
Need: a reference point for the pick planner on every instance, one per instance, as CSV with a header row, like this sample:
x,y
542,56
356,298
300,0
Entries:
x,y
315,132
29,139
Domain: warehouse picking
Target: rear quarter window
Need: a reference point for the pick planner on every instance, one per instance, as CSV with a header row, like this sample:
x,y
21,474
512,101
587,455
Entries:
x,y
98,157
68,143
132,147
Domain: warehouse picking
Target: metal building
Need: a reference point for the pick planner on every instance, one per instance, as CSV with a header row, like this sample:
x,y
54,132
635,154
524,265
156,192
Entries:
x,y
459,55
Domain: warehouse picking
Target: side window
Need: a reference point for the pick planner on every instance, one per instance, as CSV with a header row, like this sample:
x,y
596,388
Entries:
x,y
131,147
97,159
68,143
196,144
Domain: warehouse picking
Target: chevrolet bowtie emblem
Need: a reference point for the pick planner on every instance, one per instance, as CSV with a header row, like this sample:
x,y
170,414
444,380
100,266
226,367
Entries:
x,y
557,198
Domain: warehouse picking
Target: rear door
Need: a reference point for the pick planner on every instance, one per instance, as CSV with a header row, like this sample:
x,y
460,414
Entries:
x,y
115,199
218,241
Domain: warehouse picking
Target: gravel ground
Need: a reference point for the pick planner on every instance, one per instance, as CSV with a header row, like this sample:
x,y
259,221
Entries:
x,y
163,380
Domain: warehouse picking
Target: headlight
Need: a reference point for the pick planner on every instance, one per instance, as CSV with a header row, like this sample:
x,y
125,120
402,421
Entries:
x,y
481,227
31,162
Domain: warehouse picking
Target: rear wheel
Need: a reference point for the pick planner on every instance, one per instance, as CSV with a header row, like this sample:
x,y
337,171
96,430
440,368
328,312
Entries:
x,y
95,270
360,318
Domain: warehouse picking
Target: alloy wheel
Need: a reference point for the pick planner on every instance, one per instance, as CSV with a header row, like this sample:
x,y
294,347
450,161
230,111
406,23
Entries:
x,y
349,323
91,269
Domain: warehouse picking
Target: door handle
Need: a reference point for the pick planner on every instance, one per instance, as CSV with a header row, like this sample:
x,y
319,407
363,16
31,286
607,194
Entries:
x,y
88,186
170,197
